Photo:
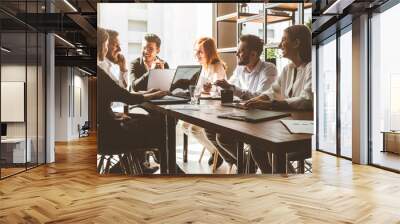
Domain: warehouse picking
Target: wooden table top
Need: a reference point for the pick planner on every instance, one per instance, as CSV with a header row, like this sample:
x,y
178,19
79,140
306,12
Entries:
x,y
272,133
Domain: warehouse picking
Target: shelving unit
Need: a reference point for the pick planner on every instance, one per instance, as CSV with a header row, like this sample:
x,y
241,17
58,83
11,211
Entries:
x,y
230,18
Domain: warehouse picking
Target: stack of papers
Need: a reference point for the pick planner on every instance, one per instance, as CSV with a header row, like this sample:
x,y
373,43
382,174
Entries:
x,y
183,107
299,126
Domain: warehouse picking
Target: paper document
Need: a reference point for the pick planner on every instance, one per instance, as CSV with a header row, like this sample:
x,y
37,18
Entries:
x,y
183,107
299,126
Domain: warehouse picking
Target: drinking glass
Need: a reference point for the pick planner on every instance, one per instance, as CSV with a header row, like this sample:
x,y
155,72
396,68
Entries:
x,y
194,94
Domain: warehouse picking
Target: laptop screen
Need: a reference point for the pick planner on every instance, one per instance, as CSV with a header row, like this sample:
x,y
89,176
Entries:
x,y
3,129
185,76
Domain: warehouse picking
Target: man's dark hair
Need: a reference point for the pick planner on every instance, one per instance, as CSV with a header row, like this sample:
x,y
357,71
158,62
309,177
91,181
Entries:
x,y
253,43
151,37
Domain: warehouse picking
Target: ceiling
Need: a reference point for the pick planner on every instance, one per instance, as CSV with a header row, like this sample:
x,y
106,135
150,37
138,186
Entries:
x,y
332,15
73,20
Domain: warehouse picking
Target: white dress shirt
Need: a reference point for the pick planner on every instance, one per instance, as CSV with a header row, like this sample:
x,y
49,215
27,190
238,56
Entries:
x,y
301,97
114,72
251,84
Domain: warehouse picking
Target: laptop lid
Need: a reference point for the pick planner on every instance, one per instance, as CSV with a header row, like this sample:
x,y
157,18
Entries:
x,y
160,79
185,75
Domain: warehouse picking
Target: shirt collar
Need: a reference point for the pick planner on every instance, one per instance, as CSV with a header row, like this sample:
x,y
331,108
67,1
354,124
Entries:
x,y
256,68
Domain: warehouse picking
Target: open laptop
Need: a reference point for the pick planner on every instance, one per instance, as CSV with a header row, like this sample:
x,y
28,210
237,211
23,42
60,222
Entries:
x,y
254,115
160,79
185,75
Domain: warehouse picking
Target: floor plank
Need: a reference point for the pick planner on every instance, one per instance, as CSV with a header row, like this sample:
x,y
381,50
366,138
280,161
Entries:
x,y
70,191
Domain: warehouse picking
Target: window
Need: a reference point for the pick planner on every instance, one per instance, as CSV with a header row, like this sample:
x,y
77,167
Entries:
x,y
134,25
185,22
385,84
346,93
327,96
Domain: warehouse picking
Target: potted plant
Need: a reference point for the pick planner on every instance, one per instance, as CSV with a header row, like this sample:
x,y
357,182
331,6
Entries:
x,y
309,23
271,55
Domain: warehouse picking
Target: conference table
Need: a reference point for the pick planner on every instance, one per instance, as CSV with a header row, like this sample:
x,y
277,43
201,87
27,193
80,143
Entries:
x,y
271,134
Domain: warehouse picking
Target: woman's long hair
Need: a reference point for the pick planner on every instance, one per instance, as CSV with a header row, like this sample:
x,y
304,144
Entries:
x,y
303,34
210,49
102,36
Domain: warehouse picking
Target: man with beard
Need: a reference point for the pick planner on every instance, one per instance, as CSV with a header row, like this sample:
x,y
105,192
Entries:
x,y
251,77
114,63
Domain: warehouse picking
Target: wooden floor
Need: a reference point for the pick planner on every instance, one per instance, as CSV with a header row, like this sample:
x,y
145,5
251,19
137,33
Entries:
x,y
70,191
386,159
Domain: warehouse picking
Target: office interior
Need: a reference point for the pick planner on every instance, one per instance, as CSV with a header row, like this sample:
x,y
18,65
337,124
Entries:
x,y
48,70
186,24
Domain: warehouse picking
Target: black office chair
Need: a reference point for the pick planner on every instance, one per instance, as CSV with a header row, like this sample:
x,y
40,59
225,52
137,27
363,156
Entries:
x,y
301,159
296,162
84,130
111,151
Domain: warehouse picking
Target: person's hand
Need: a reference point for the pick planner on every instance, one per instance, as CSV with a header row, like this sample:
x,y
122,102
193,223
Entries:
x,y
250,101
122,63
258,104
152,90
207,87
158,94
181,84
159,64
122,117
223,84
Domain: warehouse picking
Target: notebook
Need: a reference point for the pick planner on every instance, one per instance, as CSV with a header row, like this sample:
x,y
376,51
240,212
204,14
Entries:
x,y
254,115
299,126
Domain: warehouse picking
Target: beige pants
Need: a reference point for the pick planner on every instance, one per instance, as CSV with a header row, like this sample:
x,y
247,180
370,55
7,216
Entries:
x,y
198,133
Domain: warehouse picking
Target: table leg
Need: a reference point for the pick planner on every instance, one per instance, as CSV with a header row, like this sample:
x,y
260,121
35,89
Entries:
x,y
171,144
240,157
280,163
164,150
252,164
185,148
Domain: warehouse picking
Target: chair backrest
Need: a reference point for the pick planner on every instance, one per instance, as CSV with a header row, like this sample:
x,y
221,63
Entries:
x,y
86,125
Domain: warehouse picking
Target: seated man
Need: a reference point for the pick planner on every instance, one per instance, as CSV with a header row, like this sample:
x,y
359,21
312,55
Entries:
x,y
250,78
113,65
149,60
114,62
292,90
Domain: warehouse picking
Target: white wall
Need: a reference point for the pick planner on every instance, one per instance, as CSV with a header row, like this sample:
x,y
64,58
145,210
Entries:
x,y
14,73
33,127
69,82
